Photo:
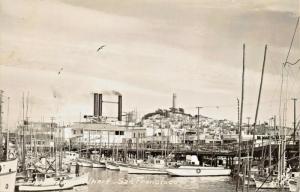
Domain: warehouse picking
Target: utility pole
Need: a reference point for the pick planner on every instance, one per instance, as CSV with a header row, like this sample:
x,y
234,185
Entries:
x,y
238,111
295,100
198,124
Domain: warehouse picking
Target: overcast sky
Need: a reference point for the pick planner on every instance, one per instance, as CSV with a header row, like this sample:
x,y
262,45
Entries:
x,y
153,48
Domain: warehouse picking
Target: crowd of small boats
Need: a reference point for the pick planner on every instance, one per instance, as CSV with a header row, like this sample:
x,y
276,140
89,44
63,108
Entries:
x,y
37,177
156,166
40,177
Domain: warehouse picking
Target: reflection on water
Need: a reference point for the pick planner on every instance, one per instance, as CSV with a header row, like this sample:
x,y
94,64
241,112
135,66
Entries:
x,y
115,181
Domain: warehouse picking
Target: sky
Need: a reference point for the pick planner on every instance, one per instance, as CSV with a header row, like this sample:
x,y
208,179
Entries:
x,y
152,49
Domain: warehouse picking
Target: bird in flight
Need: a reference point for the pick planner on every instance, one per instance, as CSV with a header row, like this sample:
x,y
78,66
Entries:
x,y
59,72
101,47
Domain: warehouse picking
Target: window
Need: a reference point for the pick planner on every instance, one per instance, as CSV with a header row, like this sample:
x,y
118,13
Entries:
x,y
117,132
121,132
81,131
74,132
133,135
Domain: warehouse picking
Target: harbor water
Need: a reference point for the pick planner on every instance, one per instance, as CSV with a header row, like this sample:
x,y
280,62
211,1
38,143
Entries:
x,y
103,180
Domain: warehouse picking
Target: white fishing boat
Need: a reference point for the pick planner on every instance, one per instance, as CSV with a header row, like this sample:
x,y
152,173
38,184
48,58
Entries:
x,y
197,171
146,170
77,181
8,166
112,166
56,187
61,182
7,181
98,165
272,183
85,164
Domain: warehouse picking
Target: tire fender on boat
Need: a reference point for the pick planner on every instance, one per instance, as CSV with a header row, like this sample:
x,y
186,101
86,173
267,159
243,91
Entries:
x,y
61,183
198,171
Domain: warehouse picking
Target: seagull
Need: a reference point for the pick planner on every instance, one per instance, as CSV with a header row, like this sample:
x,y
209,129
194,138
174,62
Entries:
x,y
61,69
101,47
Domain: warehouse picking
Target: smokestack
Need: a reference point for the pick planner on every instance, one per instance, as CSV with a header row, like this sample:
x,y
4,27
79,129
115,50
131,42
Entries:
x,y
174,101
96,104
100,105
120,108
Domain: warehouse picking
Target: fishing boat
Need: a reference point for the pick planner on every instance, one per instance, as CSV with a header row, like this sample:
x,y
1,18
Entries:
x,y
51,183
7,181
153,167
8,167
85,163
76,180
145,170
112,166
47,185
272,183
198,171
98,165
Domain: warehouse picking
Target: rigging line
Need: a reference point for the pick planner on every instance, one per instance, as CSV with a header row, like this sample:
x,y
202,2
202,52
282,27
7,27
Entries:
x,y
292,63
282,74
291,44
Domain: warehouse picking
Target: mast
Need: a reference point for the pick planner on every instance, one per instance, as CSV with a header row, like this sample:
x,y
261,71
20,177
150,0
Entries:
x,y
23,133
270,153
256,113
60,146
7,126
240,121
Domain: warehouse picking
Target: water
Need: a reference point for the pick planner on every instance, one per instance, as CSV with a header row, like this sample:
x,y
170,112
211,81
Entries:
x,y
115,181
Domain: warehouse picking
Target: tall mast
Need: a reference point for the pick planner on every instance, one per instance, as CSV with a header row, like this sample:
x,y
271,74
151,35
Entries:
x,y
256,112
23,133
240,120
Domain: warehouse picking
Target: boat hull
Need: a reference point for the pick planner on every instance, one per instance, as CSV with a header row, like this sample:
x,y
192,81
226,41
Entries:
x,y
8,181
77,181
98,165
142,170
112,167
44,188
8,166
85,164
198,172
269,185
